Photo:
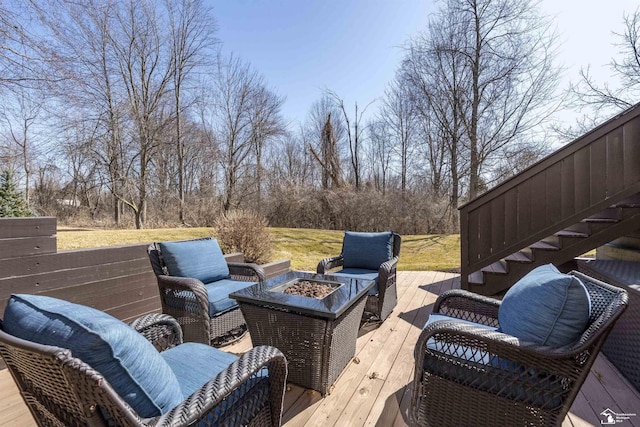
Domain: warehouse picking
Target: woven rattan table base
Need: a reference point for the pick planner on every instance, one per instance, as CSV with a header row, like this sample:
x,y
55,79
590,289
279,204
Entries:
x,y
317,349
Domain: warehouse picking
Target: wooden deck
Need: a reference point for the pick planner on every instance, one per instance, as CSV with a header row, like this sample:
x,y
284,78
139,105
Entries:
x,y
373,389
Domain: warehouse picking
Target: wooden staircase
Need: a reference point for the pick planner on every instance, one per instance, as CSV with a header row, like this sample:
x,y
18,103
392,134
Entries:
x,y
561,247
577,199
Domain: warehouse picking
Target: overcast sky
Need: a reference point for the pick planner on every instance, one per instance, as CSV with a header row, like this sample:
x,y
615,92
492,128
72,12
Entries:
x,y
353,47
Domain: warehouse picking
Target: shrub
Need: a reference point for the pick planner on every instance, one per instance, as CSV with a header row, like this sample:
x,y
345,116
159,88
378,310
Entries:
x,y
246,232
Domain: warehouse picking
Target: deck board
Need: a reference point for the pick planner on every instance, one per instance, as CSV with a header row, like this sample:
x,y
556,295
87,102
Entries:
x,y
374,389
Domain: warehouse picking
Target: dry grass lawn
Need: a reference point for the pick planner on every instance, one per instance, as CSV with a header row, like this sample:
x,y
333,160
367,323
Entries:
x,y
304,247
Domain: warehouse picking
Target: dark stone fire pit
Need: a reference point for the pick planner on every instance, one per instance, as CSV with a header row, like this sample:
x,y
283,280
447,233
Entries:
x,y
317,331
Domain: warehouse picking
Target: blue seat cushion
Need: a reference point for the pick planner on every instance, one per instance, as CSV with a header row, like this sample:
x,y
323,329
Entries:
x,y
461,352
198,259
470,366
219,291
129,362
361,274
546,307
366,250
194,364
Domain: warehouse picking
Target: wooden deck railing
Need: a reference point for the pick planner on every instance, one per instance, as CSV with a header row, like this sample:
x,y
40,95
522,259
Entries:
x,y
582,178
115,279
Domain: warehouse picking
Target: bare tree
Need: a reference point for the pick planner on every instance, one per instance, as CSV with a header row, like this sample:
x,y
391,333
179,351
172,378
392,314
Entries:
x,y
20,61
328,158
605,98
192,35
293,165
78,145
381,153
77,38
146,70
435,74
246,115
266,124
507,51
323,134
20,115
355,133
398,112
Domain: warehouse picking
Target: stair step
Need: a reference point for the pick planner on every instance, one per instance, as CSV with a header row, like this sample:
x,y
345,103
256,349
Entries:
x,y
544,246
520,256
631,202
605,214
601,220
476,278
498,267
570,233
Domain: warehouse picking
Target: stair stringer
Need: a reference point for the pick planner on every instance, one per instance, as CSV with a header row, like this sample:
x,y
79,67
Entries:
x,y
570,247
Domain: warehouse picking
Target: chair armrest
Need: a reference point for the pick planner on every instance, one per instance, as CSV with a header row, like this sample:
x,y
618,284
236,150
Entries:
x,y
466,305
187,300
175,290
329,264
507,363
246,271
459,334
202,402
176,283
161,330
386,277
388,266
497,345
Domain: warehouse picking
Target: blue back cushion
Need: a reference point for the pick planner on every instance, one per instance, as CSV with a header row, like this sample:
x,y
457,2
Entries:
x,y
367,250
199,259
129,362
546,307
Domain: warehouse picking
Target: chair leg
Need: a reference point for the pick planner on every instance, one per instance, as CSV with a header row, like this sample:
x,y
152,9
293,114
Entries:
x,y
232,336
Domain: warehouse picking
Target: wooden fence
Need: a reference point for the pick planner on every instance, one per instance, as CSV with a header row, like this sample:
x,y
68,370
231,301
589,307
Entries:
x,y
116,279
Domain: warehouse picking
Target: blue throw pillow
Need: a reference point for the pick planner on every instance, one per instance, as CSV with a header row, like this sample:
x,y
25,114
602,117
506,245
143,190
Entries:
x,y
367,250
199,259
546,307
129,362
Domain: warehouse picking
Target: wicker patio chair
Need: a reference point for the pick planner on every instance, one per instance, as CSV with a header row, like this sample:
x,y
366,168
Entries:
x,y
384,296
192,302
61,390
467,372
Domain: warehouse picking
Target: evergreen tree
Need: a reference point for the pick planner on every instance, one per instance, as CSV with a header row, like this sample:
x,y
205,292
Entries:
x,y
12,202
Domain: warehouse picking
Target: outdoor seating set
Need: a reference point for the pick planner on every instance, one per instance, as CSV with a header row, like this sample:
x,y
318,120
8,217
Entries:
x,y
478,360
213,301
75,365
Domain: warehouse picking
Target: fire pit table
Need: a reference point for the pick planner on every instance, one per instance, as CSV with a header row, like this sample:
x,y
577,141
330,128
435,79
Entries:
x,y
317,335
